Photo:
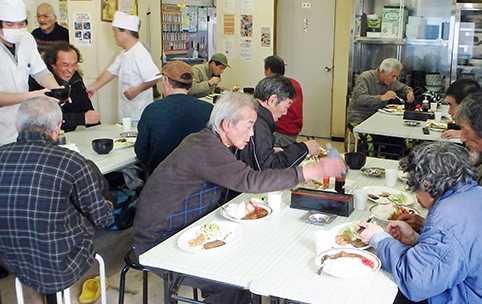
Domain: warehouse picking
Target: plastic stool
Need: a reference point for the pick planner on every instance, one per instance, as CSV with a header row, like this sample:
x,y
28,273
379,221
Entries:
x,y
66,291
132,261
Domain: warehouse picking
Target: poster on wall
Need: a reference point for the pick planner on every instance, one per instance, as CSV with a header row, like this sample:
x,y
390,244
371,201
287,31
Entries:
x,y
265,40
202,19
82,29
246,5
228,24
246,26
192,19
228,48
245,49
129,6
108,9
229,6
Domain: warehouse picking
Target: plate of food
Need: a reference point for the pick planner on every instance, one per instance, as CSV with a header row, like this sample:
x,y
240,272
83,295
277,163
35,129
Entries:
x,y
347,263
385,195
387,213
210,236
402,176
411,123
246,211
437,126
344,235
124,142
259,198
373,171
393,109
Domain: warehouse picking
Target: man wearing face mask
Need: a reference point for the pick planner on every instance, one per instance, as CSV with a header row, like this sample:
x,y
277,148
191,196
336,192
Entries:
x,y
19,58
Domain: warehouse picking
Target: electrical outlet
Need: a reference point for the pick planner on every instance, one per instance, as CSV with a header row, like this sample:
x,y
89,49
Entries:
x,y
305,5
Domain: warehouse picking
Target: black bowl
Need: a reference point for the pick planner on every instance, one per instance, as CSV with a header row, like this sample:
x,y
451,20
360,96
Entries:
x,y
103,145
62,94
248,91
355,160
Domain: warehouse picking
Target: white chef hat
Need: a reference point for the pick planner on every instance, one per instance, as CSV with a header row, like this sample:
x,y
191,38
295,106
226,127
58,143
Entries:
x,y
125,21
12,10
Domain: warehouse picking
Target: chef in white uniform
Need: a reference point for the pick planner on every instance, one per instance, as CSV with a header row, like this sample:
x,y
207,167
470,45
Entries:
x,y
134,67
19,58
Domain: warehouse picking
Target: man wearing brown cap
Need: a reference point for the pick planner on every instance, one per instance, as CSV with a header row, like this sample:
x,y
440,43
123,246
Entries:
x,y
165,122
208,75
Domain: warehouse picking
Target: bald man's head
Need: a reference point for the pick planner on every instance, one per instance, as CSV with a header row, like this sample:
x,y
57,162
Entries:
x,y
46,17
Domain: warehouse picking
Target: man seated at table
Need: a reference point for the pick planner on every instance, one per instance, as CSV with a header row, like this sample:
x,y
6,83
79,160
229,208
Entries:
x,y
49,31
62,60
188,184
287,126
441,263
275,94
165,122
375,88
455,94
51,195
207,76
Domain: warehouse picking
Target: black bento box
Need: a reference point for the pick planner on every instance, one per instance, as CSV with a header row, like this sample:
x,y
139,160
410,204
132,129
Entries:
x,y
309,199
418,115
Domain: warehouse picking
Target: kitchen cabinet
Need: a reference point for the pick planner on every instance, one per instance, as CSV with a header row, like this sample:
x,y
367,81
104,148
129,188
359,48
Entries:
x,y
419,33
467,56
174,39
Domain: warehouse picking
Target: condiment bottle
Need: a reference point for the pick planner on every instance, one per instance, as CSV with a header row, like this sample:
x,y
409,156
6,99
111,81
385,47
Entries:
x,y
425,105
326,182
236,88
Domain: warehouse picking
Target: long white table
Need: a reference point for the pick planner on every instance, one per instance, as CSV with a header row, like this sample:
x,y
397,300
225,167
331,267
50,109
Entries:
x,y
393,126
114,160
275,256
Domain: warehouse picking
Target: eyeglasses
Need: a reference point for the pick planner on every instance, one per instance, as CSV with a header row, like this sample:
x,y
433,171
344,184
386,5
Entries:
x,y
116,31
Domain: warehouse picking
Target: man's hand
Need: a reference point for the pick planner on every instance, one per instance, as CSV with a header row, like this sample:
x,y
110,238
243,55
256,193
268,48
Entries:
x,y
410,97
370,230
388,96
277,149
449,134
214,80
413,220
325,167
90,92
403,232
91,117
313,147
132,93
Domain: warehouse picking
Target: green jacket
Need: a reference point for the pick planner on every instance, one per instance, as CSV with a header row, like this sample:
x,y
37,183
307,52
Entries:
x,y
200,84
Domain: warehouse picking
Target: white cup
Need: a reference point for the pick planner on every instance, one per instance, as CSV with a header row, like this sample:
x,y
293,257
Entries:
x,y
391,177
127,123
444,109
433,106
361,196
438,116
323,240
274,200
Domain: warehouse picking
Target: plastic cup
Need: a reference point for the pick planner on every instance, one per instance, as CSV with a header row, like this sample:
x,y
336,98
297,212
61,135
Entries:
x,y
361,196
391,177
274,200
433,106
444,109
323,240
438,116
127,123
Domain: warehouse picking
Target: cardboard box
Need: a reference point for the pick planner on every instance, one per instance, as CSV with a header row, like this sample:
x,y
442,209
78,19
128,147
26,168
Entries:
x,y
330,202
391,26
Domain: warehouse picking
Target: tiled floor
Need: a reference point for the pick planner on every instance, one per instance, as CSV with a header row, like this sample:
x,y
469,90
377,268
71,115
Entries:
x,y
112,246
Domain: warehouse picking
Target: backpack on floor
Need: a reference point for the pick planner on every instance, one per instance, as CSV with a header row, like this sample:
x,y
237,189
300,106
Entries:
x,y
124,209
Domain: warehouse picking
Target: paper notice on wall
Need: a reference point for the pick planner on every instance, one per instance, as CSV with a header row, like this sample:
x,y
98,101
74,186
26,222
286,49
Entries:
x,y
246,26
246,5
202,18
265,41
228,48
127,5
245,49
229,6
228,24
82,29
192,19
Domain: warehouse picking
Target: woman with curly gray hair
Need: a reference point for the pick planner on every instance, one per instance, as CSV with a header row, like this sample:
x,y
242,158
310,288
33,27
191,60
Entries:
x,y
442,263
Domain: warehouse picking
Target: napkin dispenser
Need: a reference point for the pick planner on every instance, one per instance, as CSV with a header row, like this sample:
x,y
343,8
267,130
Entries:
x,y
418,115
330,202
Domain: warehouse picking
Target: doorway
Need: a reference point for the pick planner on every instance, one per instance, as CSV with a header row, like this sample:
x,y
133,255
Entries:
x,y
304,39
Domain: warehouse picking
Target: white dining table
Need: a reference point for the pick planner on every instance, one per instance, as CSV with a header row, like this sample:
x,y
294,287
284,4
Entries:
x,y
115,159
276,255
392,125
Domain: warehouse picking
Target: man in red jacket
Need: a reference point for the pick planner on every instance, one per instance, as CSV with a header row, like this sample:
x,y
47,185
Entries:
x,y
289,125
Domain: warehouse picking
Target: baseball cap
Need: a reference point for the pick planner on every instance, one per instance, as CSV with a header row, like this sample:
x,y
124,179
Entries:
x,y
125,21
175,69
221,59
12,10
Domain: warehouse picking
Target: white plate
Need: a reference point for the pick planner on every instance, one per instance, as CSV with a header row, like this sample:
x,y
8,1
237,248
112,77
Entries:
x,y
383,212
121,145
376,190
264,206
334,232
437,126
348,273
231,233
373,171
402,176
392,110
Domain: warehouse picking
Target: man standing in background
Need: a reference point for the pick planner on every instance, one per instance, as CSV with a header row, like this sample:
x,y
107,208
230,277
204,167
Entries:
x,y
289,125
49,31
134,67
